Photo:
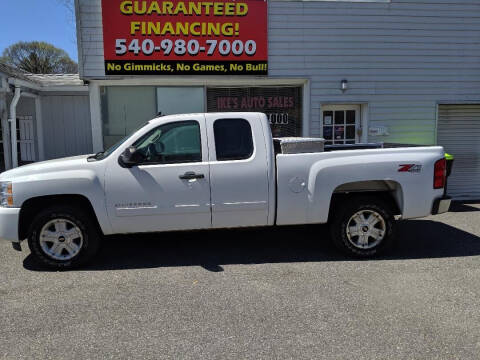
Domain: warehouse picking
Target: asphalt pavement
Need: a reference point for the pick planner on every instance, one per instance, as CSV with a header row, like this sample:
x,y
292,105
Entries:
x,y
281,293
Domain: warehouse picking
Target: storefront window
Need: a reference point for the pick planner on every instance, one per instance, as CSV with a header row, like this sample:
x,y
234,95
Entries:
x,y
125,108
180,100
283,105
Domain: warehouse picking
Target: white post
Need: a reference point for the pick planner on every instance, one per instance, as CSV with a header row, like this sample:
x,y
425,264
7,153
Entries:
x,y
95,117
38,118
13,125
5,130
364,122
306,110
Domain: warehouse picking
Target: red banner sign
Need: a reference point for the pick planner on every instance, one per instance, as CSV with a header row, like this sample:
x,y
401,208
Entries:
x,y
190,37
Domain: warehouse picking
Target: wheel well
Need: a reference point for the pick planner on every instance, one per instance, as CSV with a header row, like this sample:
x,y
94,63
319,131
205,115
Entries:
x,y
386,196
388,190
33,206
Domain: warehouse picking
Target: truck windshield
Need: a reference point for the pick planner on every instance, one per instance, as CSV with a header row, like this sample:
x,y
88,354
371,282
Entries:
x,y
103,154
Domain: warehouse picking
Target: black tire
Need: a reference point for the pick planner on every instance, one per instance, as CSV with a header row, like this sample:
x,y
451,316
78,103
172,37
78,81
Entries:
x,y
342,215
74,215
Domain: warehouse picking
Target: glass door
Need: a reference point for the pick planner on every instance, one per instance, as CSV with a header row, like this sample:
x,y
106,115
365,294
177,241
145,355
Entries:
x,y
340,124
25,140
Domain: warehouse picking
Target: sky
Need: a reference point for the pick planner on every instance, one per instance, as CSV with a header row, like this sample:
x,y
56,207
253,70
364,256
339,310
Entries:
x,y
40,20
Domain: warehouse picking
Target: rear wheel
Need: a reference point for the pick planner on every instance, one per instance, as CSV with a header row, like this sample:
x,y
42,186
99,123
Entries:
x,y
63,237
363,227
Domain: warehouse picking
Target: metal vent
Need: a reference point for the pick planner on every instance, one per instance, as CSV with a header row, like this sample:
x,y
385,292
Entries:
x,y
458,131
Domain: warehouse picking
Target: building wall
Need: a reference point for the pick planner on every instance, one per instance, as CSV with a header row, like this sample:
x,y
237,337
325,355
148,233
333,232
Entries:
x,y
66,125
401,58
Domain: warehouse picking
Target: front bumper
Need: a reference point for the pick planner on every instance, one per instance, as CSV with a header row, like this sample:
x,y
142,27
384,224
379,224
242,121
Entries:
x,y
441,205
9,224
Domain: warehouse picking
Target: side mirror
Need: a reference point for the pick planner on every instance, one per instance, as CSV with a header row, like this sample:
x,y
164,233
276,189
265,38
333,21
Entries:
x,y
130,157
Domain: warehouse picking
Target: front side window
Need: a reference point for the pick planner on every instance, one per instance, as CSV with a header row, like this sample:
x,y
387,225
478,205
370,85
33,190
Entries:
x,y
233,139
177,142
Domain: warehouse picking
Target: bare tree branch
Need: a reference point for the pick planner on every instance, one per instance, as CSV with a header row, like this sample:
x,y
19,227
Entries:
x,y
70,5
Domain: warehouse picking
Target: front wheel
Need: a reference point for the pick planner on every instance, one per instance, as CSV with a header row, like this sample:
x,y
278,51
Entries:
x,y
63,237
363,227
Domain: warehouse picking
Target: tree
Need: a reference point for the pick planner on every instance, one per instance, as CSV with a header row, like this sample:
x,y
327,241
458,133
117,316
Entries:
x,y
39,58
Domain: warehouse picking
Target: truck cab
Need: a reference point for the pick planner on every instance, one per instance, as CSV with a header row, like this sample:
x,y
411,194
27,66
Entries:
x,y
197,171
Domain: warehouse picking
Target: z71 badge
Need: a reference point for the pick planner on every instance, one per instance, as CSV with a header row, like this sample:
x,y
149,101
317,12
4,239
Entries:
x,y
412,168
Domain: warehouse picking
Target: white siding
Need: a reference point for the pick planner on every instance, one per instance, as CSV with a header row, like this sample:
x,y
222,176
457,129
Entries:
x,y
66,125
90,38
400,57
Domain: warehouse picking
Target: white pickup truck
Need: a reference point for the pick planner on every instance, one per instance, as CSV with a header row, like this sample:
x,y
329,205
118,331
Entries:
x,y
216,170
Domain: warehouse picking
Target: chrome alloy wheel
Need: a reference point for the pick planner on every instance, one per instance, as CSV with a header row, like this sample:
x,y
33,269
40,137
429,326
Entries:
x,y
61,239
366,229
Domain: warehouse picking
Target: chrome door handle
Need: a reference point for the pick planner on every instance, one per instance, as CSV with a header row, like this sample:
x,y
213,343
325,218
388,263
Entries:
x,y
191,175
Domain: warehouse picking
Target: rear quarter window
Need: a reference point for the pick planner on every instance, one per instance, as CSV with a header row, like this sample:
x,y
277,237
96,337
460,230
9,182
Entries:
x,y
233,139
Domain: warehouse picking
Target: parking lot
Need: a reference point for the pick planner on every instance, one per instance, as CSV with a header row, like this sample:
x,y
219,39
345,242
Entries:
x,y
252,294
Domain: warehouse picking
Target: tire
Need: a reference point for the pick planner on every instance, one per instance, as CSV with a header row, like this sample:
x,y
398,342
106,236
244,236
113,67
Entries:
x,y
354,235
63,237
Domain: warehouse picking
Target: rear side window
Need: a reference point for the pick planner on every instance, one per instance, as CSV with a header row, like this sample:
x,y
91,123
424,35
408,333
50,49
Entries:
x,y
233,139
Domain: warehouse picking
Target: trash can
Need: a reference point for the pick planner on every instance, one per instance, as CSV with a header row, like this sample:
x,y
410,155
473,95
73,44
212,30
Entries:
x,y
449,159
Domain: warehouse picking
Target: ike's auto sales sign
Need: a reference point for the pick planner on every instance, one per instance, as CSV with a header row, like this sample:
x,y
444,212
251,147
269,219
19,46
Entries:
x,y
185,37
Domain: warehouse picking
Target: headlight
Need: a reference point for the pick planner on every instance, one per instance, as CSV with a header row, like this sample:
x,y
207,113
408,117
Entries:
x,y
6,198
